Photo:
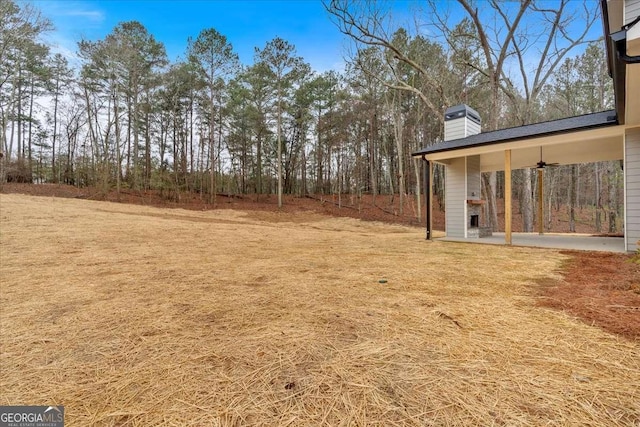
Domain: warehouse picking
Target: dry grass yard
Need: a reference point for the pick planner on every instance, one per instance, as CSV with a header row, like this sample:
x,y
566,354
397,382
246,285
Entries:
x,y
139,316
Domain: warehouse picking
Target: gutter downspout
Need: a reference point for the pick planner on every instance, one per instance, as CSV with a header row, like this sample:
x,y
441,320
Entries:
x,y
619,39
427,197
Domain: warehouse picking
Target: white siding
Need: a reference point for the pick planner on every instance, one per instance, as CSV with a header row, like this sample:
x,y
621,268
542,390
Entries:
x,y
632,188
455,200
473,128
460,128
473,177
454,129
631,10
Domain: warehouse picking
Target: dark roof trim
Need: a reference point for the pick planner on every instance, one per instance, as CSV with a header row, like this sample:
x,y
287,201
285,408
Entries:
x,y
619,74
536,130
606,32
618,59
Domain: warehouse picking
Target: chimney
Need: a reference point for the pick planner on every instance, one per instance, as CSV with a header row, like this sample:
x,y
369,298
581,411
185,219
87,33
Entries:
x,y
461,121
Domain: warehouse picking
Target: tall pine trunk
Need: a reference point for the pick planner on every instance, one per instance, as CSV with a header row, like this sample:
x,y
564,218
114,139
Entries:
x,y
212,154
527,201
399,131
55,132
573,194
613,196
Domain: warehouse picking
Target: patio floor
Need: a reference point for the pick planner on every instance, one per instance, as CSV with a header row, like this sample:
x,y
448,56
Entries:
x,y
582,242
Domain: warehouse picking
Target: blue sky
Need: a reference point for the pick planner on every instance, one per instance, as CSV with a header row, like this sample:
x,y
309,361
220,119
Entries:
x,y
246,24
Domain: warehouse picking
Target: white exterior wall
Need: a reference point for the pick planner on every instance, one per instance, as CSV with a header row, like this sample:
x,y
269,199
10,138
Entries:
x,y
473,128
455,200
473,177
460,128
632,188
455,129
631,10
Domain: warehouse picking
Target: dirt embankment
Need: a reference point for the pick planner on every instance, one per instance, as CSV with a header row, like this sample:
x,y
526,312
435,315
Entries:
x,y
383,208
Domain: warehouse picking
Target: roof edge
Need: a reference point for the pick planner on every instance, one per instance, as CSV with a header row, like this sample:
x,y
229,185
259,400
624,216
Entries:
x,y
611,121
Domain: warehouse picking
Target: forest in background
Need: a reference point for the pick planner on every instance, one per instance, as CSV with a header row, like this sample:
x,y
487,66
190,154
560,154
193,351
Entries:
x,y
128,118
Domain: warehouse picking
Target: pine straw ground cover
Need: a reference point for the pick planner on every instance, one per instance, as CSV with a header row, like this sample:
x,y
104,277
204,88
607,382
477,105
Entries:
x,y
139,316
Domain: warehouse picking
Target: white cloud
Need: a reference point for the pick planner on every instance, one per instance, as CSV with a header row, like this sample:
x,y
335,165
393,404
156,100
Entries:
x,y
72,20
64,46
63,11
92,15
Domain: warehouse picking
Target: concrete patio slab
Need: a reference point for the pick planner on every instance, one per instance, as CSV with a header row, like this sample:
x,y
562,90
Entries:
x,y
583,242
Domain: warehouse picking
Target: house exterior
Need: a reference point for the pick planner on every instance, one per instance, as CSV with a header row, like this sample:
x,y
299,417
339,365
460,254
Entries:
x,y
607,135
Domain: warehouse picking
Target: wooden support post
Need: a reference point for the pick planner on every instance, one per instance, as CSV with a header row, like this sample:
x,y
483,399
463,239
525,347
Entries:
x,y
540,201
507,197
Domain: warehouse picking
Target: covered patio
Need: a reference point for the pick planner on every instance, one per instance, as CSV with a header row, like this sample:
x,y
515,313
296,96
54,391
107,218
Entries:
x,y
582,139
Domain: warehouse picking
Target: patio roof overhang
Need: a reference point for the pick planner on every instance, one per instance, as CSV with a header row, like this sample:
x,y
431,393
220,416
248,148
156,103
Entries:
x,y
582,139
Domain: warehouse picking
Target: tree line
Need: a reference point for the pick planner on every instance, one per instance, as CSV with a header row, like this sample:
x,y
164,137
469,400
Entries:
x,y
127,117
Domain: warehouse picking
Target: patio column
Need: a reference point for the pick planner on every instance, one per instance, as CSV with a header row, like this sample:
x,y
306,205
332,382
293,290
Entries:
x,y
507,197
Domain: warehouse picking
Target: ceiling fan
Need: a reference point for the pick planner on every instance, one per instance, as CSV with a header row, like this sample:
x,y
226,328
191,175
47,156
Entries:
x,y
542,164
